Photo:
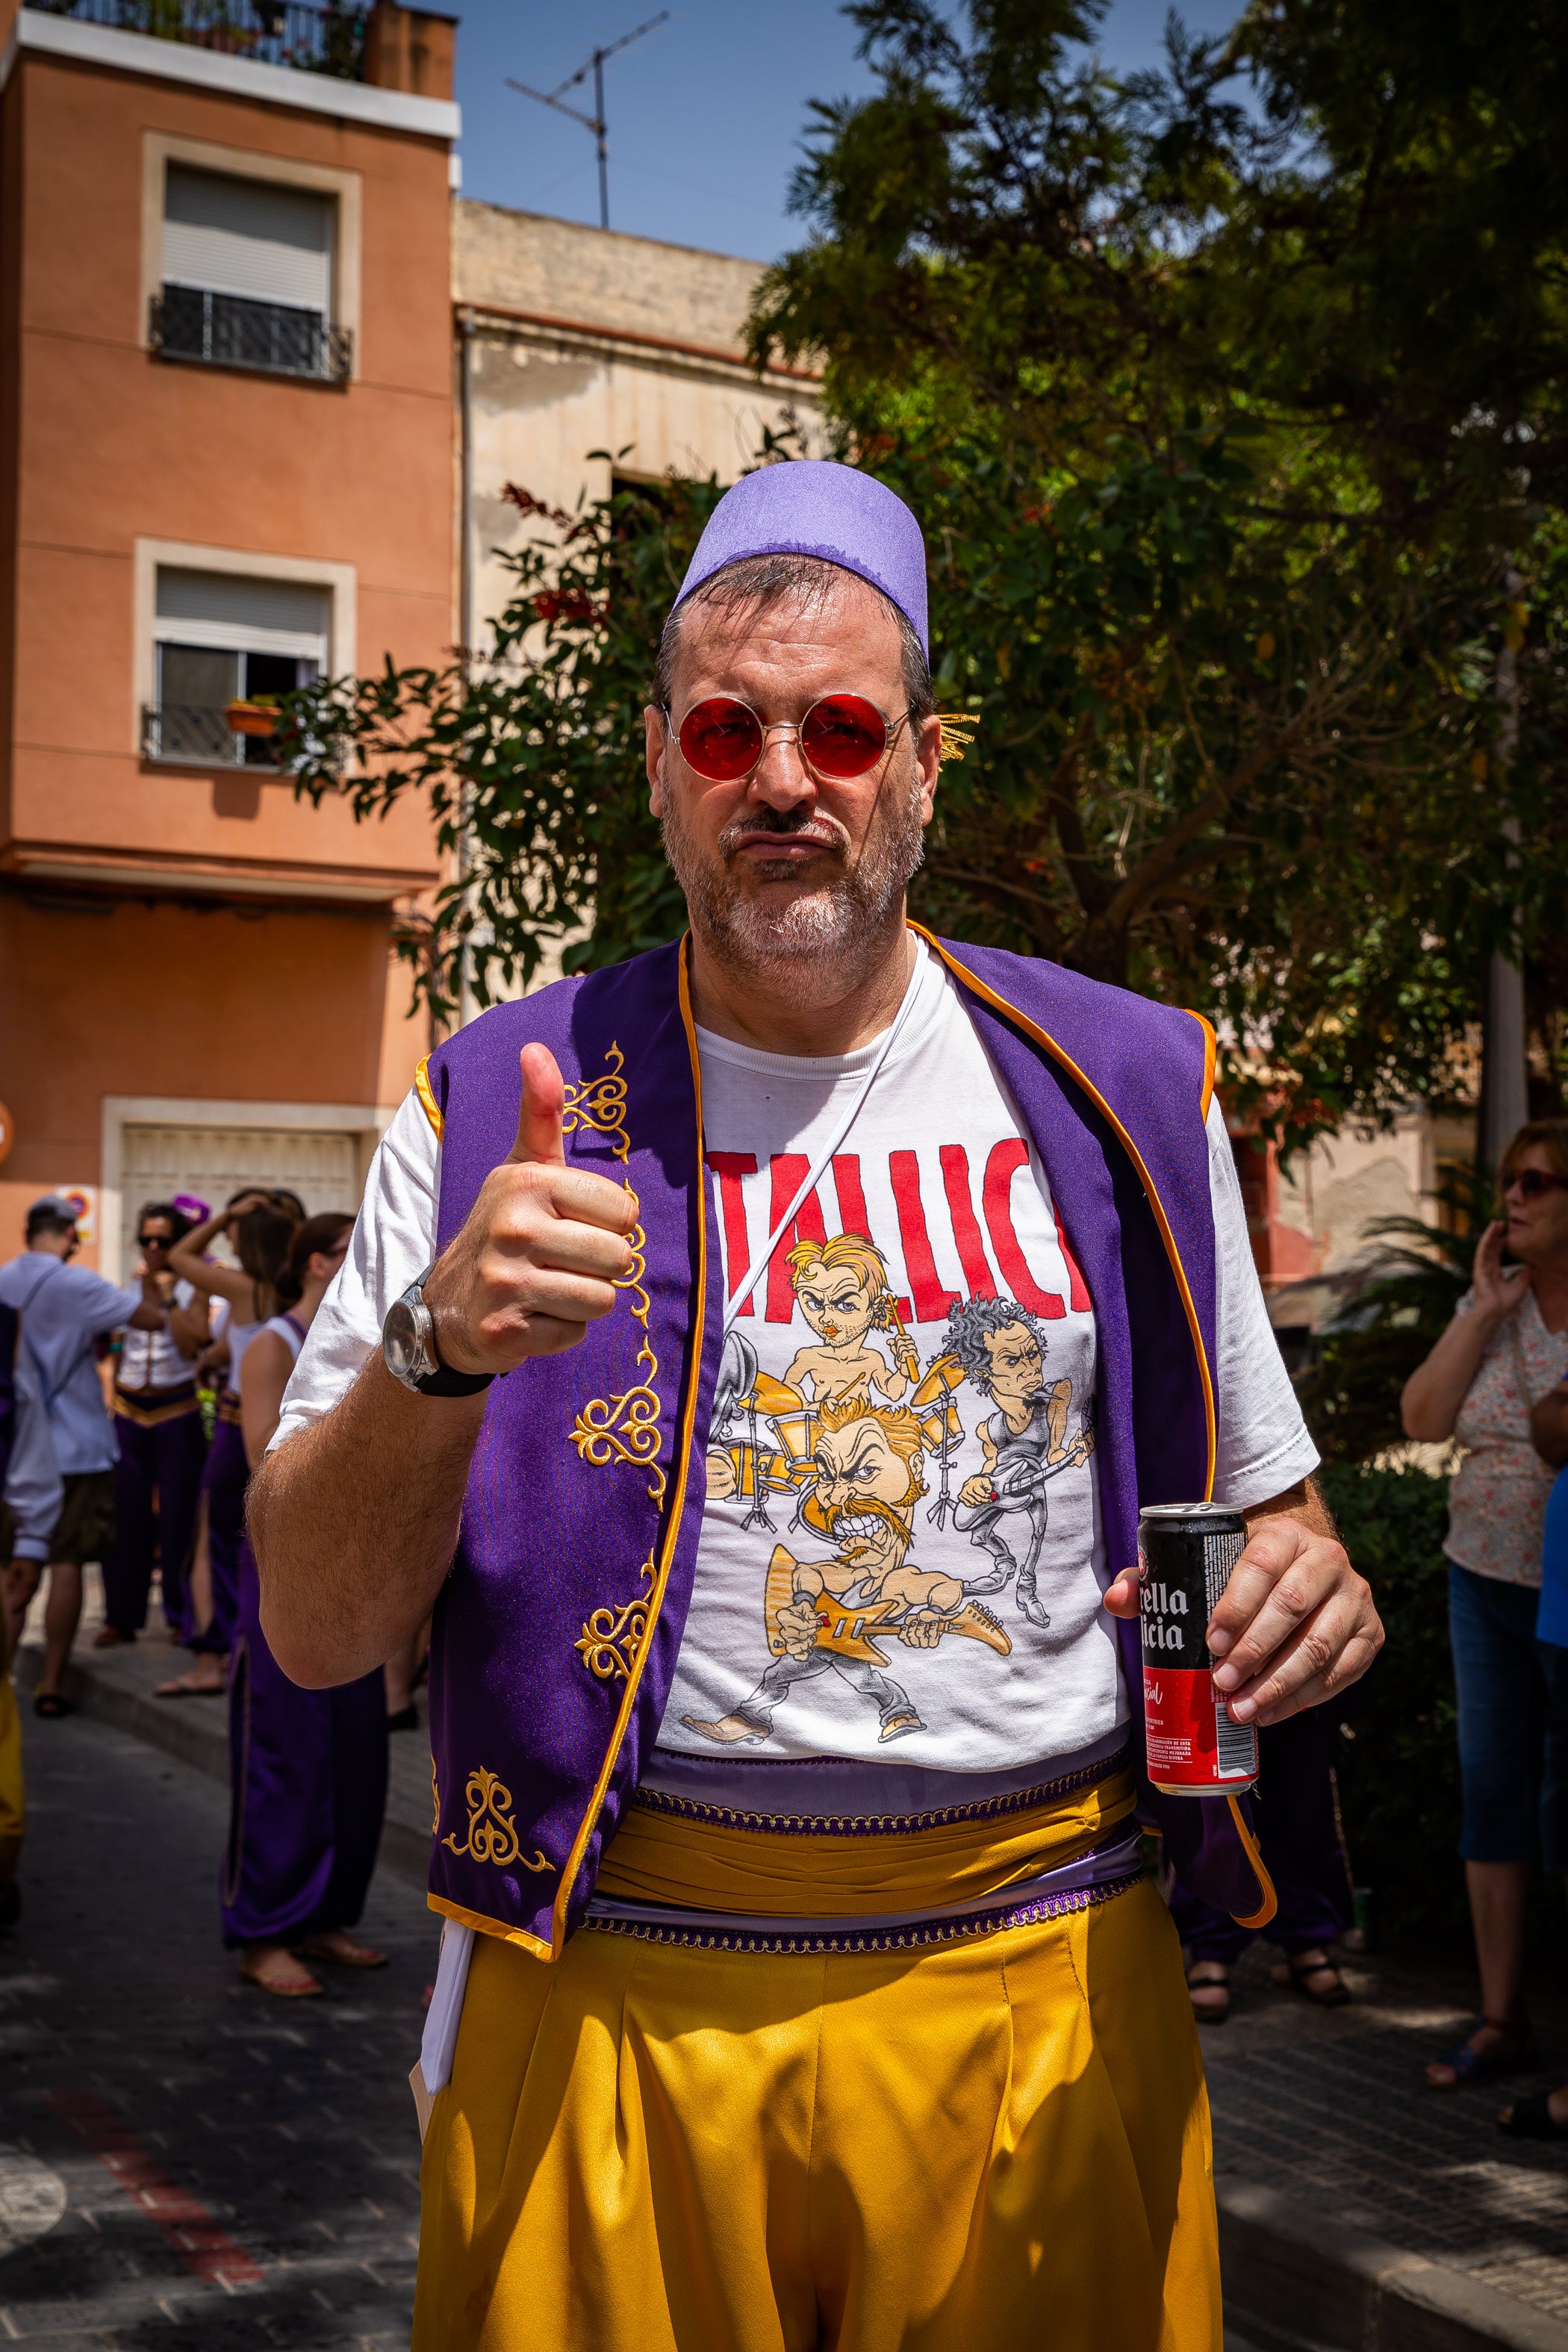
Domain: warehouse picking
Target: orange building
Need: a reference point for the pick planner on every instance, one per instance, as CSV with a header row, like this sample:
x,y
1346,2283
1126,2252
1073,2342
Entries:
x,y
227,463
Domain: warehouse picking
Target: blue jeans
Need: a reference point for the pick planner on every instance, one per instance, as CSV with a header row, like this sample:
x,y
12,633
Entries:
x,y
1513,1725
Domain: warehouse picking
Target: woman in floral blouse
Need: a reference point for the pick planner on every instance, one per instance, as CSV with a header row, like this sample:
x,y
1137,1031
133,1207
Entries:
x,y
1506,1347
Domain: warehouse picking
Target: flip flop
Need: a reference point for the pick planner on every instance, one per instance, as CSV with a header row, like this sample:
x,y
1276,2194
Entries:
x,y
307,1990
52,1705
1515,2052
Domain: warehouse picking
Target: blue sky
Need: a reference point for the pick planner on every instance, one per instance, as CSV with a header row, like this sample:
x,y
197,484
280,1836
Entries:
x,y
706,113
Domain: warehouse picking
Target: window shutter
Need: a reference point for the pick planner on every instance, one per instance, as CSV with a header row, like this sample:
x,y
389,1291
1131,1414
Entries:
x,y
226,611
249,238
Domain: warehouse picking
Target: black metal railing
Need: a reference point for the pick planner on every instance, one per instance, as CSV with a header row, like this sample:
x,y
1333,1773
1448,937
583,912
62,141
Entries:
x,y
191,322
192,737
327,40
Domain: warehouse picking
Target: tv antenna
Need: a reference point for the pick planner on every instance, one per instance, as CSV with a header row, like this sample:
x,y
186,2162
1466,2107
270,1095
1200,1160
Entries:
x,y
595,121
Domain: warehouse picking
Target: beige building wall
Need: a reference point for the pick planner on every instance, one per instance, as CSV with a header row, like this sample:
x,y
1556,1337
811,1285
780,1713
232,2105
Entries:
x,y
578,339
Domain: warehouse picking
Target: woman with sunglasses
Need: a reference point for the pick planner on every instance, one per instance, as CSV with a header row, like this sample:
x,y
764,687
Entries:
x,y
308,1768
1505,1350
163,1448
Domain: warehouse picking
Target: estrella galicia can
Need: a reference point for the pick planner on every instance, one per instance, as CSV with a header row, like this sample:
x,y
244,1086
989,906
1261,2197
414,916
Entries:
x,y
1185,1554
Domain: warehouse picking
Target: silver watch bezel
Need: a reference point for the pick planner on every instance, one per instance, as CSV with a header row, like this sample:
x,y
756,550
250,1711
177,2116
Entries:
x,y
408,1336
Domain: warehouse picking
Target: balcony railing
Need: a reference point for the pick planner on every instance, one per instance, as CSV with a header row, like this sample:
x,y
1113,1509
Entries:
x,y
194,738
191,322
327,40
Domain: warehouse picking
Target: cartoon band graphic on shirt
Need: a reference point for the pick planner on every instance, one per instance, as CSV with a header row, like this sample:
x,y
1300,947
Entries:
x,y
848,1439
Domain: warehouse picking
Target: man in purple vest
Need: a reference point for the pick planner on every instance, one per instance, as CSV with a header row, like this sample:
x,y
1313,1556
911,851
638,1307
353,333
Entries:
x,y
843,2013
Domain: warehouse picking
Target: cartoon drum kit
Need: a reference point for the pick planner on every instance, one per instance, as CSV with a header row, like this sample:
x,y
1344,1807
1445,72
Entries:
x,y
768,1430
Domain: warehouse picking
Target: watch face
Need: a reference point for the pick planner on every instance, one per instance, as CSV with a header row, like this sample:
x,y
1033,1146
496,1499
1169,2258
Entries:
x,y
403,1342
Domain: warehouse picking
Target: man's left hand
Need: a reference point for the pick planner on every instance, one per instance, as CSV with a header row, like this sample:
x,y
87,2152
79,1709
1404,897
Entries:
x,y
1295,1624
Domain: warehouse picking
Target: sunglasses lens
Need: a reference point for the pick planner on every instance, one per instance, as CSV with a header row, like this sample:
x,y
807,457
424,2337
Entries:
x,y
843,735
721,739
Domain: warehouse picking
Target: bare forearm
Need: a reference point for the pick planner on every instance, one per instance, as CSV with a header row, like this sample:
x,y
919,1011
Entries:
x,y
355,1522
1434,1392
1303,1502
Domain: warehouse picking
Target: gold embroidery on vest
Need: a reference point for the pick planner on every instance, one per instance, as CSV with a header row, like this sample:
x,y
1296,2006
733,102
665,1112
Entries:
x,y
623,1428
434,1797
492,1833
611,1638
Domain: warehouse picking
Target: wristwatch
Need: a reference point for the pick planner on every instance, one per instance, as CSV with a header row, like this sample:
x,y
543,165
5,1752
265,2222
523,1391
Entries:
x,y
409,1351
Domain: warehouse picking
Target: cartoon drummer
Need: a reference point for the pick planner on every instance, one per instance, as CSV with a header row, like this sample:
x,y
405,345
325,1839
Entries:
x,y
842,1289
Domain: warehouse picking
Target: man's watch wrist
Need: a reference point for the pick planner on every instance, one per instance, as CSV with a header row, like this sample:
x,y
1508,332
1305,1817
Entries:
x,y
409,1351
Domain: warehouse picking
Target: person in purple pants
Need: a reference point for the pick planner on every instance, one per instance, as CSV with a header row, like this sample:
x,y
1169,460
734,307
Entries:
x,y
1303,1853
308,1768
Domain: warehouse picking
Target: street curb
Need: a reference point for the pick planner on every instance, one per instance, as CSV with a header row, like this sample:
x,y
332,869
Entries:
x,y
197,1732
1283,2260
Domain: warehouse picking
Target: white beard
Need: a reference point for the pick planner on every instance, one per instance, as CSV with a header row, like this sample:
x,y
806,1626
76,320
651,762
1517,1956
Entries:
x,y
840,922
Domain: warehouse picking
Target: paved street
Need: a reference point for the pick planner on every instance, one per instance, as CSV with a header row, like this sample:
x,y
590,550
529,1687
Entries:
x,y
183,2163
233,2172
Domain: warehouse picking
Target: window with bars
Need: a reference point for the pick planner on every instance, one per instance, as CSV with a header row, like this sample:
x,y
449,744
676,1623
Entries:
x,y
247,274
227,648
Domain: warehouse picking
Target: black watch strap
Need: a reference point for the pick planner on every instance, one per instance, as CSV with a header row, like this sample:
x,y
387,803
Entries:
x,y
446,1382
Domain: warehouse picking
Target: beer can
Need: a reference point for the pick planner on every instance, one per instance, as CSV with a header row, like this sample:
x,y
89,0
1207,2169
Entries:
x,y
1185,1554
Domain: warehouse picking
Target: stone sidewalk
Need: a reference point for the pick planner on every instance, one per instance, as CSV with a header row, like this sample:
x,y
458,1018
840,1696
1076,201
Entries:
x,y
1333,2162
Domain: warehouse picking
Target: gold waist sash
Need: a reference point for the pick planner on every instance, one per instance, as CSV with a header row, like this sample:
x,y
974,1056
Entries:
x,y
662,1856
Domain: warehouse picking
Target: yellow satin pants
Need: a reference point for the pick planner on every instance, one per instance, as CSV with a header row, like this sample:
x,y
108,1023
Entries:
x,y
988,2146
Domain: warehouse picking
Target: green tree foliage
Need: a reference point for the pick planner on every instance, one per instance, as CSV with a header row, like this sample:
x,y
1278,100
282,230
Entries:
x,y
1217,523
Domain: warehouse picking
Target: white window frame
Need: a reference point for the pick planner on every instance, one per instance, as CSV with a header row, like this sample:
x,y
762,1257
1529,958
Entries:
x,y
153,555
159,150
366,1122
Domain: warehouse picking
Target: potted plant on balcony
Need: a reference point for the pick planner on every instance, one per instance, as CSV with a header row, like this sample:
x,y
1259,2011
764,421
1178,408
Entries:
x,y
254,715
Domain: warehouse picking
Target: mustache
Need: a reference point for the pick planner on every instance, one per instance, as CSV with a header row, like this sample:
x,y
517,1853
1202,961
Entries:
x,y
791,824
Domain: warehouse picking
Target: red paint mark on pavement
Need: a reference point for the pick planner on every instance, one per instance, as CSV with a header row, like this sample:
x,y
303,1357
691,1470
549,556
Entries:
x,y
189,2228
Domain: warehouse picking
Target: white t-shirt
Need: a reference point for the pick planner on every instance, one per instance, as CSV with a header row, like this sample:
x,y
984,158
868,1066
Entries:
x,y
887,1608
151,1359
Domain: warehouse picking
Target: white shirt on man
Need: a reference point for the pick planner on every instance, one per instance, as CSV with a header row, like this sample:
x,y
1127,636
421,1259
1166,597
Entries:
x,y
957,1207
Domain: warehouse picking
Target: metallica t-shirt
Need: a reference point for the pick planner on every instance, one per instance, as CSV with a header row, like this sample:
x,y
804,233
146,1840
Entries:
x,y
900,1560
901,1556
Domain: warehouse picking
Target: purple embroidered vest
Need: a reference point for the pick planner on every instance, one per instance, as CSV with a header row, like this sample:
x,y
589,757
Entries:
x,y
556,1632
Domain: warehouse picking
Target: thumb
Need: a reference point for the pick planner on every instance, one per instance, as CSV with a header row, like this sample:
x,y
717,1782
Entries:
x,y
1122,1595
539,1112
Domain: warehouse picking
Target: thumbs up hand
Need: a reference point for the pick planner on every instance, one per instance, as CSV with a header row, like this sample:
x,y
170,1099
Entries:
x,y
544,1245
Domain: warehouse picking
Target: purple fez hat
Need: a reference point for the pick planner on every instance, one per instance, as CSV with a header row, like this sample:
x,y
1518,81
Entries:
x,y
807,506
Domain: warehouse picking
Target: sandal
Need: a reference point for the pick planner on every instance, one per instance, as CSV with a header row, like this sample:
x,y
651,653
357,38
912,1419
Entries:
x,y
1299,1966
52,1705
1514,2053
191,1685
1532,2118
278,1973
405,1720
346,1953
1217,2008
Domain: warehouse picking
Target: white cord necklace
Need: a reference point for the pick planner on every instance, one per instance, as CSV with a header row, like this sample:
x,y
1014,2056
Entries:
x,y
815,1173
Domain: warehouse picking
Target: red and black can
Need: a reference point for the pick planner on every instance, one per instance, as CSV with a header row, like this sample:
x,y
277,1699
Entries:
x,y
1185,1554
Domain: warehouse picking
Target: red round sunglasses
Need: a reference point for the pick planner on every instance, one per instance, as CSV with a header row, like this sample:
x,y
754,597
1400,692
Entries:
x,y
842,736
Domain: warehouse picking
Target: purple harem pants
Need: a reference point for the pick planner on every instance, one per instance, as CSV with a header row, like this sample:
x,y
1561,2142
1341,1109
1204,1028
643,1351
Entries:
x,y
162,1457
224,1481
1303,1851
307,1791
